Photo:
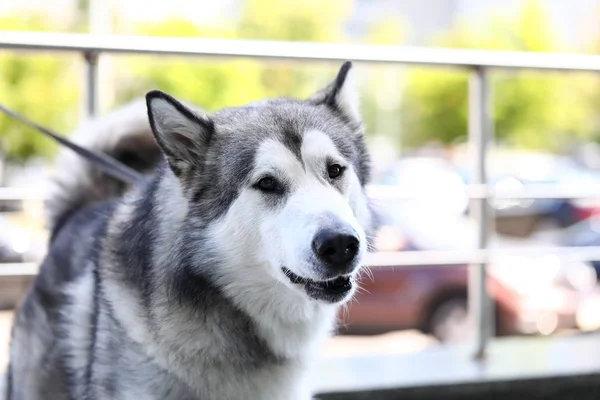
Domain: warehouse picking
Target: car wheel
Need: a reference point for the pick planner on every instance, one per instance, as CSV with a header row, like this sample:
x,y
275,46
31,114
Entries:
x,y
449,321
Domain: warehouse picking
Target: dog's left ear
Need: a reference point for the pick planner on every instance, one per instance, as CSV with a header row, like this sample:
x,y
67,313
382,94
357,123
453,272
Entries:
x,y
341,95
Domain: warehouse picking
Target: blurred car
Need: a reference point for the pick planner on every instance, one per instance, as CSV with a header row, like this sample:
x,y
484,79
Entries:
x,y
584,234
427,178
541,295
530,295
430,298
13,243
521,217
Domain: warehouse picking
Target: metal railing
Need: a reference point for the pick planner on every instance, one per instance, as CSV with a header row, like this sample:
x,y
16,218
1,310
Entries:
x,y
480,122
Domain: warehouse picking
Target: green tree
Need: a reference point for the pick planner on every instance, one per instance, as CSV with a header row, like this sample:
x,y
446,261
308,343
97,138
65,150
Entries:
x,y
39,86
531,109
590,86
214,84
205,82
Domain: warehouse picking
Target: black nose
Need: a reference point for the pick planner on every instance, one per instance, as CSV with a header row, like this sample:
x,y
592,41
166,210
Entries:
x,y
336,248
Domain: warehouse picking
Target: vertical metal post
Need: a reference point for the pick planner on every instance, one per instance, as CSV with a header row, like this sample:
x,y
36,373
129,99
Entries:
x,y
479,135
91,84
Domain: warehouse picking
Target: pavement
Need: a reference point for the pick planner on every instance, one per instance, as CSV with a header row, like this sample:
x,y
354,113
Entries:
x,y
555,367
401,342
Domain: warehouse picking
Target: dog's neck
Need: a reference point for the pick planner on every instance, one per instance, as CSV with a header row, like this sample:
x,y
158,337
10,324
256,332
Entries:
x,y
289,322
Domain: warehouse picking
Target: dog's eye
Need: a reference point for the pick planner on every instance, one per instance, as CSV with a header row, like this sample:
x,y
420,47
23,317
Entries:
x,y
267,184
334,171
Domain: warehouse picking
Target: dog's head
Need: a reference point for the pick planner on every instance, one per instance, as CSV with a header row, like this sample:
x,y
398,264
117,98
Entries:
x,y
278,183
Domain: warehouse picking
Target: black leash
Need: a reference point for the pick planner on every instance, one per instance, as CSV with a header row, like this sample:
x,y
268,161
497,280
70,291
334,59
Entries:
x,y
108,164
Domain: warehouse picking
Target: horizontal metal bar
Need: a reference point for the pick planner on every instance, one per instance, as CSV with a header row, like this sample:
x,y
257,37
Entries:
x,y
534,191
18,269
475,191
530,191
405,259
11,193
460,257
302,51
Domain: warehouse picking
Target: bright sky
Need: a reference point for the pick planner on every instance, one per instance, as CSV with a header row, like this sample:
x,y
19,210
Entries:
x,y
576,21
132,10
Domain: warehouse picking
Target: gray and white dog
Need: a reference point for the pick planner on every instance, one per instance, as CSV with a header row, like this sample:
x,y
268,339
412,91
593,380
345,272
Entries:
x,y
220,277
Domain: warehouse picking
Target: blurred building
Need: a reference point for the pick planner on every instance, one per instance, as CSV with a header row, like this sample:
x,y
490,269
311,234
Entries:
x,y
575,23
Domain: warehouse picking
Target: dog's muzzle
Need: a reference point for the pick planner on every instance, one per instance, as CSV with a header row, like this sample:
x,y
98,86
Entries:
x,y
335,250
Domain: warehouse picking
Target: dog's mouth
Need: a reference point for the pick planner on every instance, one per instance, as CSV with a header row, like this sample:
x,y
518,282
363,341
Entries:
x,y
330,291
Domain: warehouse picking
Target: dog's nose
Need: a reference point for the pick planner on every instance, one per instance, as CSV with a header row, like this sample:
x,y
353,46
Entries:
x,y
336,248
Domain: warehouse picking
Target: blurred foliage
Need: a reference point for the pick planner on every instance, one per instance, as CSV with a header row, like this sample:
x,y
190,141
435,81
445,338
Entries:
x,y
294,20
531,109
417,106
381,92
39,86
214,84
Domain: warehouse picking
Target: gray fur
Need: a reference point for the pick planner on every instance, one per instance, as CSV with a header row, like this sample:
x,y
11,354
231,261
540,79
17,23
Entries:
x,y
137,299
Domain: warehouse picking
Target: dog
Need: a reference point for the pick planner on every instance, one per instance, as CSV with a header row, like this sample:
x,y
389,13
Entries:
x,y
217,278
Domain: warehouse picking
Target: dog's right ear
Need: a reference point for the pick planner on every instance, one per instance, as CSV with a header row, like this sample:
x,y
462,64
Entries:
x,y
182,135
341,94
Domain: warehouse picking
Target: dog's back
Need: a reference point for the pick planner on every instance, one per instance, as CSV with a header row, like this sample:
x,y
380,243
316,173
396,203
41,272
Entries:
x,y
42,363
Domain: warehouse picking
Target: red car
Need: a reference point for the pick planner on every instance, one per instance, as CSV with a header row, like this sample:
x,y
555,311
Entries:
x,y
430,298
529,296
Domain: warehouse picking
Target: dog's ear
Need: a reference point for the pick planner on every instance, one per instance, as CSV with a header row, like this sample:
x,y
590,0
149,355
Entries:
x,y
182,135
341,95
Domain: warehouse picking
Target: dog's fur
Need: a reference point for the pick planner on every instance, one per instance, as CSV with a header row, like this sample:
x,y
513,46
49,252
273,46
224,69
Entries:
x,y
193,286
